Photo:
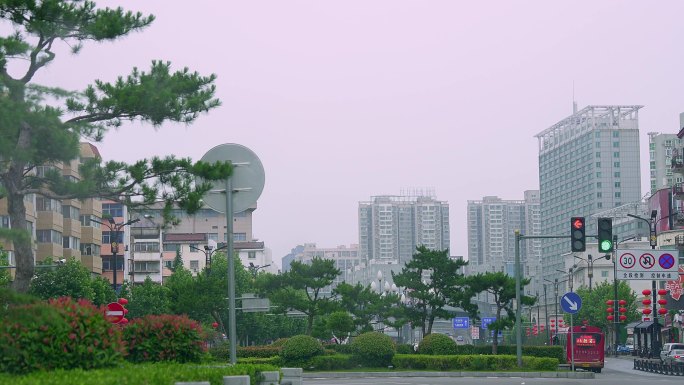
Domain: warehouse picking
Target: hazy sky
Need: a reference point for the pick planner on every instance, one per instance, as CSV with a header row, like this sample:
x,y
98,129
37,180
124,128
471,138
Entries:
x,y
344,100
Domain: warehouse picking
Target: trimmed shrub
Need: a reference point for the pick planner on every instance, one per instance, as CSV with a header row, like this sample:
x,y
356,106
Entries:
x,y
336,362
60,334
258,351
156,338
437,344
373,349
300,349
220,351
405,349
472,362
279,342
342,349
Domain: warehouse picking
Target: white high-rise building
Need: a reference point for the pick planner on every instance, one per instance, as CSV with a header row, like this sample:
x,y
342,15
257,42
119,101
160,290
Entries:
x,y
588,163
492,222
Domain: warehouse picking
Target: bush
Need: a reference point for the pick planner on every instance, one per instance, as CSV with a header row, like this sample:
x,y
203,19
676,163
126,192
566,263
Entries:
x,y
339,348
405,349
437,344
335,362
220,351
279,342
258,351
373,349
300,349
156,338
472,362
61,333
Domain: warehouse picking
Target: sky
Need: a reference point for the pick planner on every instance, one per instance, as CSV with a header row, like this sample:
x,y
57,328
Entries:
x,y
345,100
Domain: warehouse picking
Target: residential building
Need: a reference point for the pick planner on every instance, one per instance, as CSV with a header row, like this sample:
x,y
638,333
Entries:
x,y
492,223
146,258
661,149
346,259
588,162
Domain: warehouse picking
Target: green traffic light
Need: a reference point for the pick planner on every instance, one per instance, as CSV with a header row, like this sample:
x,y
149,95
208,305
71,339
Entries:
x,y
606,246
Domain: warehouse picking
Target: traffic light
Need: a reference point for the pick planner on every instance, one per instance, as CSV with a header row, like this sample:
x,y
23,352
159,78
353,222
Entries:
x,y
605,235
578,241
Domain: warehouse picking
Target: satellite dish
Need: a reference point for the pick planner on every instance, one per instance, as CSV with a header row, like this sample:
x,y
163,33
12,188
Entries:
x,y
247,180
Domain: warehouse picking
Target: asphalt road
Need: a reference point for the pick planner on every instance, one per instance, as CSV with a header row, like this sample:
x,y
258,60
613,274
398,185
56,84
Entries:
x,y
618,371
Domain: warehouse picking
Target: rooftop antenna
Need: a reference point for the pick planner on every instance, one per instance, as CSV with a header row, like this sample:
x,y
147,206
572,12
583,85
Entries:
x,y
574,103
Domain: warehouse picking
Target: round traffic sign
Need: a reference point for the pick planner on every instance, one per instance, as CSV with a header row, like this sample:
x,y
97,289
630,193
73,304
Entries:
x,y
115,312
647,260
627,260
666,261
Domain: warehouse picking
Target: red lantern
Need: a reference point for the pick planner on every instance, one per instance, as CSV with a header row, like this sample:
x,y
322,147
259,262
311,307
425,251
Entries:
x,y
123,301
535,332
553,321
623,317
610,318
560,321
124,321
662,311
125,311
609,302
646,311
543,327
662,292
646,302
214,325
646,292
662,301
622,302
622,310
610,310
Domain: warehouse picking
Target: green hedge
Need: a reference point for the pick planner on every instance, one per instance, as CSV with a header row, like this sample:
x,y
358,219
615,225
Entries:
x,y
533,351
336,362
275,361
258,351
472,362
342,349
148,374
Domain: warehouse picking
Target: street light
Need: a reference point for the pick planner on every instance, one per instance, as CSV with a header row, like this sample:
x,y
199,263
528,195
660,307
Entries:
x,y
255,268
569,273
208,252
555,284
115,228
590,265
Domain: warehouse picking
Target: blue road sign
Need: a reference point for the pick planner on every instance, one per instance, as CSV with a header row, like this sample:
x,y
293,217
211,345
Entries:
x,y
461,323
571,302
486,321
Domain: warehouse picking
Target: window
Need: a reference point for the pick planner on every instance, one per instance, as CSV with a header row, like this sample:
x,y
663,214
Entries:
x,y
87,221
47,204
146,247
617,184
5,221
251,254
213,236
111,210
194,247
194,266
90,249
616,164
168,264
112,236
71,243
171,247
617,194
49,236
107,263
71,212
146,267
604,273
616,174
239,237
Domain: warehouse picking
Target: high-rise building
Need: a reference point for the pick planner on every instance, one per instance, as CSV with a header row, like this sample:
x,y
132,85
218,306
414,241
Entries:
x,y
391,227
588,162
346,259
492,222
661,149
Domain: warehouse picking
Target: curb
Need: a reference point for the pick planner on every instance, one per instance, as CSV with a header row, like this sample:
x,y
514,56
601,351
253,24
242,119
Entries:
x,y
575,375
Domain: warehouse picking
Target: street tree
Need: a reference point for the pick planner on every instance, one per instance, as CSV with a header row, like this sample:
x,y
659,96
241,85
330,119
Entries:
x,y
594,304
43,125
148,298
502,288
432,281
5,277
70,279
300,288
363,304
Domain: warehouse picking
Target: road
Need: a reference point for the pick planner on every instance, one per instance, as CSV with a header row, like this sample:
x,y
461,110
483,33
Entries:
x,y
618,371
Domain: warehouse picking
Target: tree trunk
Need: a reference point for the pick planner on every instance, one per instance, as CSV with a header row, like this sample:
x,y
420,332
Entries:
x,y
309,324
495,339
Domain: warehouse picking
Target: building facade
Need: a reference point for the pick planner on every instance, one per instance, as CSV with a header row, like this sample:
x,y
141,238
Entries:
x,y
588,162
492,222
661,149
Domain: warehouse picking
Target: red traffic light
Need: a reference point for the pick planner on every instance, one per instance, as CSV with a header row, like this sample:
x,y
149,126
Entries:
x,y
578,223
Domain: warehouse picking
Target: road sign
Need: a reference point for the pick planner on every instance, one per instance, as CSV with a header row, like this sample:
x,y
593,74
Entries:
x,y
486,321
651,265
461,323
115,312
475,332
571,302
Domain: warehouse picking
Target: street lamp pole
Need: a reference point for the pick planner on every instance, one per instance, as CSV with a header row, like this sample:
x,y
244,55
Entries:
x,y
653,239
208,252
546,315
115,230
254,269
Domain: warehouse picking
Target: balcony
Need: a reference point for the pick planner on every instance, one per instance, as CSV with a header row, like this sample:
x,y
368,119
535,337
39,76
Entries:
x,y
678,191
677,162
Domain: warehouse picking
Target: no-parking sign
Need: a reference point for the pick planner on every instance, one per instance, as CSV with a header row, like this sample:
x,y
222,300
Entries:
x,y
651,265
